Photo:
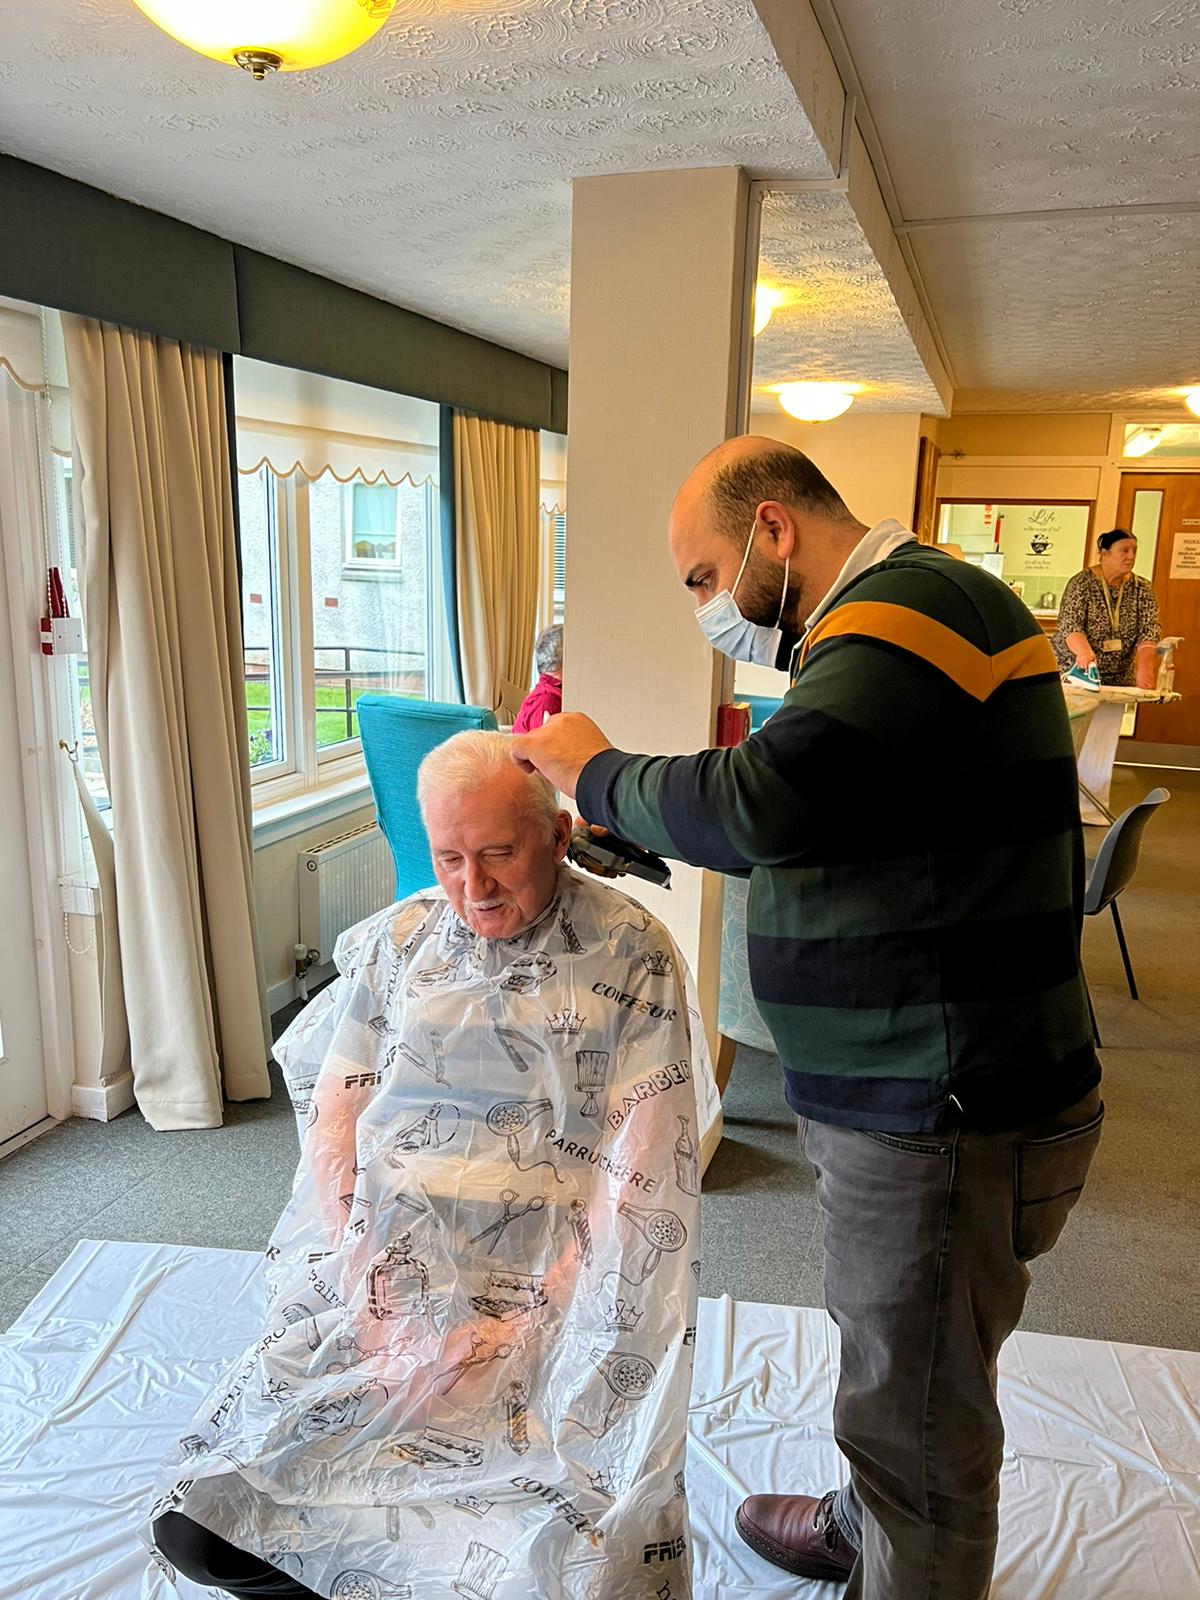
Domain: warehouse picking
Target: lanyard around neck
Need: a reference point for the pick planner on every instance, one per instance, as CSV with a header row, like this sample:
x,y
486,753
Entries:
x,y
1114,612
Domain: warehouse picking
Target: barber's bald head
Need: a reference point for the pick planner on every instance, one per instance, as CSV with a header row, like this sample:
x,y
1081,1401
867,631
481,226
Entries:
x,y
754,487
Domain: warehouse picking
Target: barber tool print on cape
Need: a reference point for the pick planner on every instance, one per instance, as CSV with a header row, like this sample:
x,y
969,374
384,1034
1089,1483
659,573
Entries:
x,y
355,1584
629,1378
663,1231
518,1047
508,1199
481,1288
513,1118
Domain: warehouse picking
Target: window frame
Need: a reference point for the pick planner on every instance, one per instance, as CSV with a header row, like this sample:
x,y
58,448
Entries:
x,y
282,623
309,770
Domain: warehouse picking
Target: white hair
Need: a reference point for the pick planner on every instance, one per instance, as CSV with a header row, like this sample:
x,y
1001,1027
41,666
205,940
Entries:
x,y
548,651
472,760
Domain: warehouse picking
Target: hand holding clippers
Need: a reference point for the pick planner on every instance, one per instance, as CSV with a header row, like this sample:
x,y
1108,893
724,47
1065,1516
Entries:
x,y
611,857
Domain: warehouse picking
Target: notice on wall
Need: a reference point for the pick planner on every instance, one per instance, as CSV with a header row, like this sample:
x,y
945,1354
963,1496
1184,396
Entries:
x,y
1185,554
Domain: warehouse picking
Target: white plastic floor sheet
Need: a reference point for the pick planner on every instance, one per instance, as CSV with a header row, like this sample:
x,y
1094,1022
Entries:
x,y
1101,1488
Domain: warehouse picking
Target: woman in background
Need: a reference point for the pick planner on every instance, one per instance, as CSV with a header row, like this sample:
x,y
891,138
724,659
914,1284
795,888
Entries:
x,y
545,698
1109,618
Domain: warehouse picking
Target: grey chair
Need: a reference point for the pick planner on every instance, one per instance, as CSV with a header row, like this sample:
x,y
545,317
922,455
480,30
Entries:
x,y
1115,864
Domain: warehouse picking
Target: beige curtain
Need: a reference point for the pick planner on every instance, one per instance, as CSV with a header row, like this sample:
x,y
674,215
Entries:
x,y
162,606
496,506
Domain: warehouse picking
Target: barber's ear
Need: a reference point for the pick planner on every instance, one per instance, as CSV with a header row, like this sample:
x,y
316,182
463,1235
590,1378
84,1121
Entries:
x,y
780,523
563,826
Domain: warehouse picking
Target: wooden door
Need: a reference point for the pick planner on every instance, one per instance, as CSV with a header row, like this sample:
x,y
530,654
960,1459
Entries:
x,y
1176,498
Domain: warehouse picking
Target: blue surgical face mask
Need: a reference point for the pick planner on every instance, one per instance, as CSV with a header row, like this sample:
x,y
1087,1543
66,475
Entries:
x,y
733,634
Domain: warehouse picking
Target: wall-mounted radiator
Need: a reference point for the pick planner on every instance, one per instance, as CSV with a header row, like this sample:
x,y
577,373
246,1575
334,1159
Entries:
x,y
341,882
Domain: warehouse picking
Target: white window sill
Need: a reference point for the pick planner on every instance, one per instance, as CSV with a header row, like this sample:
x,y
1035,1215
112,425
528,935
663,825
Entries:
x,y
309,808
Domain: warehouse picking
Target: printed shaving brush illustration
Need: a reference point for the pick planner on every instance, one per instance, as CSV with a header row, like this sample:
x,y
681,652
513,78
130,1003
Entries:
x,y
591,1075
510,1119
481,1572
630,1378
663,1230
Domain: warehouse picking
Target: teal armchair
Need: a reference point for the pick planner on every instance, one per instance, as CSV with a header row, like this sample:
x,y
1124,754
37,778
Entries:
x,y
397,733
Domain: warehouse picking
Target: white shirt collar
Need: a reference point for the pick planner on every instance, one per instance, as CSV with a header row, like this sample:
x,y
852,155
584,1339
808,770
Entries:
x,y
877,543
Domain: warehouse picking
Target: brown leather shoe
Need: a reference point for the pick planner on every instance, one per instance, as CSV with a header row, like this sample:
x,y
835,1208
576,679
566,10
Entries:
x,y
798,1533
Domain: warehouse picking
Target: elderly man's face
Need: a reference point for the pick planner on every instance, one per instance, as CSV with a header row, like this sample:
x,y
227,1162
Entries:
x,y
492,856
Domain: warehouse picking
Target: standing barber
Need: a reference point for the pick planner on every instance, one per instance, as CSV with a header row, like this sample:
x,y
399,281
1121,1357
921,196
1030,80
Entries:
x,y
909,822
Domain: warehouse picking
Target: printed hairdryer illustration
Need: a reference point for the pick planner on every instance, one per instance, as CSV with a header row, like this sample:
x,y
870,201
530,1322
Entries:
x,y
663,1230
630,1378
607,854
511,1118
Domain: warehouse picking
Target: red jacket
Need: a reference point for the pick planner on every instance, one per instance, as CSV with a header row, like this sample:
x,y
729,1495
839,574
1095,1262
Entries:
x,y
543,700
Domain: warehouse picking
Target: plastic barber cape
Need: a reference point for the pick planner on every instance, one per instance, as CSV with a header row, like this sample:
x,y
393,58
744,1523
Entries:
x,y
473,1378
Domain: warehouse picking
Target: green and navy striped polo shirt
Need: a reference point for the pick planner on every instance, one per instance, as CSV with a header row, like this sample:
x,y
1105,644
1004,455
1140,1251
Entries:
x,y
909,823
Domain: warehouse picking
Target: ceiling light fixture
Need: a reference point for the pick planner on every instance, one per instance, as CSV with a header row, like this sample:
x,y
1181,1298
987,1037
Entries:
x,y
767,302
265,36
1191,399
816,402
1143,441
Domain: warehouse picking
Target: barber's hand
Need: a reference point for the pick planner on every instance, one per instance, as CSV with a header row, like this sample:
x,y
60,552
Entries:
x,y
595,831
560,749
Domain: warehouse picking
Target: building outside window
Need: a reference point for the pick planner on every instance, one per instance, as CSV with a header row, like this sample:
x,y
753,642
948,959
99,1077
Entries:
x,y
342,588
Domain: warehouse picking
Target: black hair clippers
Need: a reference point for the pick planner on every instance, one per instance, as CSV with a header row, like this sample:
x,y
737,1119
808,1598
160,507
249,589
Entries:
x,y
608,855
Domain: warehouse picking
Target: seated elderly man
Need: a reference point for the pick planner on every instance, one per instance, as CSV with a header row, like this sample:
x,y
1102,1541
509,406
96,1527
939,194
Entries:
x,y
473,1373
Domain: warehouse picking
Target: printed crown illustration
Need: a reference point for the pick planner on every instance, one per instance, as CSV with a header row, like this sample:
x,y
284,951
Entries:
x,y
566,1022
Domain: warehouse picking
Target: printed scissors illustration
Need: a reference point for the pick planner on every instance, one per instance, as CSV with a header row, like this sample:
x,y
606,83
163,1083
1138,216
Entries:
x,y
508,1197
481,1353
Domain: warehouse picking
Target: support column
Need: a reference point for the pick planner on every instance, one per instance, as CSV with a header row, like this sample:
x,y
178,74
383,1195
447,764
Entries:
x,y
657,297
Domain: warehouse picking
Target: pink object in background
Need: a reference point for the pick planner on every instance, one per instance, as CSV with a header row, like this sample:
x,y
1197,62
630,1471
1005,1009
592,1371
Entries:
x,y
543,700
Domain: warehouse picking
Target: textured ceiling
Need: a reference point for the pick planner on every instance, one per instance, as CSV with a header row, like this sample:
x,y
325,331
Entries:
x,y
1107,306
1024,105
987,106
432,168
839,319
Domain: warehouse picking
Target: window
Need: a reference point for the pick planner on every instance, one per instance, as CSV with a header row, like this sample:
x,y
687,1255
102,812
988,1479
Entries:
x,y
369,617
319,629
559,564
554,565
259,499
1161,441
1035,548
372,519
74,691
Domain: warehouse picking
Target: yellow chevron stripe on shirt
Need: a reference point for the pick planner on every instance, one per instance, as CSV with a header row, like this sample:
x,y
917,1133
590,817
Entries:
x,y
970,668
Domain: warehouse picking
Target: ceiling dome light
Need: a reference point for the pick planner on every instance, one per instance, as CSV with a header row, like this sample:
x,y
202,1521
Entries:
x,y
1191,400
815,402
766,302
270,35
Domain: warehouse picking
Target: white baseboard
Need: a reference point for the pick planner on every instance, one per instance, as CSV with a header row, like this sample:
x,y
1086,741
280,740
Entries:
x,y
102,1101
283,993
280,994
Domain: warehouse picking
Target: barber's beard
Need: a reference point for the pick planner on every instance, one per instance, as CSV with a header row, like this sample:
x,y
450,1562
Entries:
x,y
758,595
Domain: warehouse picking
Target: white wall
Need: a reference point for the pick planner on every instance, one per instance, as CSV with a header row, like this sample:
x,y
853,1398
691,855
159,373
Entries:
x,y
871,460
870,457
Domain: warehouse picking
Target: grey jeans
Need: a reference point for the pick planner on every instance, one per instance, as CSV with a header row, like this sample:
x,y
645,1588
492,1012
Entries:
x,y
927,1237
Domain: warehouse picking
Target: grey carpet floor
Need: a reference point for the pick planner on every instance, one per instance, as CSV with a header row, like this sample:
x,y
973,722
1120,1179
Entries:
x,y
1126,1269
